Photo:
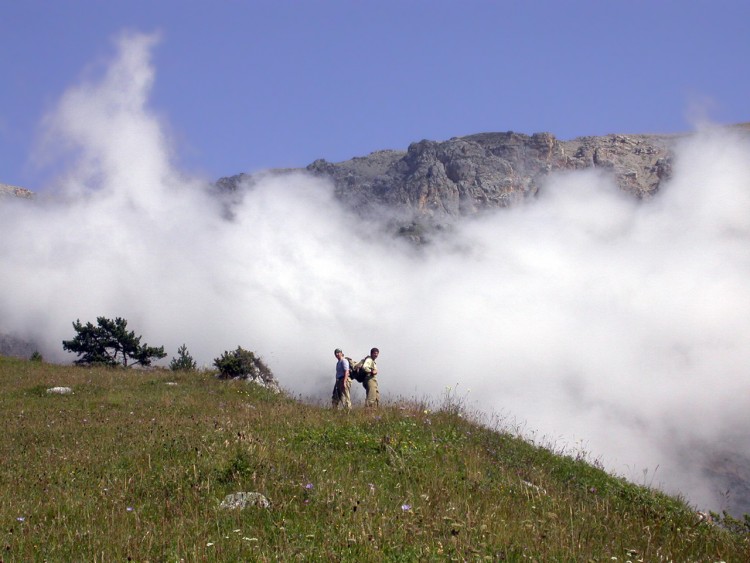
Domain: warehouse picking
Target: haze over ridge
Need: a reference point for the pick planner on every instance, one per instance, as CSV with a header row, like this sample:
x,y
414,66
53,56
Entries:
x,y
597,319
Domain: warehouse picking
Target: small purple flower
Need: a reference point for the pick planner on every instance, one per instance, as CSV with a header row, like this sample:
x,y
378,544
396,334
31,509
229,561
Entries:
x,y
309,486
406,507
21,519
129,509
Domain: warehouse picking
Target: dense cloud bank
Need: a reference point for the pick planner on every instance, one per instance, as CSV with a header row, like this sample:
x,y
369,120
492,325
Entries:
x,y
596,321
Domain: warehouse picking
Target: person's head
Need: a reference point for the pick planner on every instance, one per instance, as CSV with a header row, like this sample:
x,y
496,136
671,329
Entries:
x,y
338,353
374,353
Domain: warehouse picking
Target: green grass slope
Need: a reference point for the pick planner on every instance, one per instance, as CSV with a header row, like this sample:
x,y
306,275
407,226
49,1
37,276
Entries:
x,y
133,465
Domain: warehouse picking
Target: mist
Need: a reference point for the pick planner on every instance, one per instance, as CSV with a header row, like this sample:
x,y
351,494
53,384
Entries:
x,y
592,321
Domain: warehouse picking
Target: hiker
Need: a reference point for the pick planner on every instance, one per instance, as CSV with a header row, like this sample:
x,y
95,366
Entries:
x,y
343,383
370,383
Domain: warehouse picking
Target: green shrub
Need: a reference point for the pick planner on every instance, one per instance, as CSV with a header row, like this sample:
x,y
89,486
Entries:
x,y
242,363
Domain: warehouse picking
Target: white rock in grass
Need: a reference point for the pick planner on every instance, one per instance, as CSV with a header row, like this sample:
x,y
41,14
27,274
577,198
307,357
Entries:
x,y
269,383
60,390
238,501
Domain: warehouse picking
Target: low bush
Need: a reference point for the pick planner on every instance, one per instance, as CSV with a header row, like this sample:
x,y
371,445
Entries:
x,y
243,364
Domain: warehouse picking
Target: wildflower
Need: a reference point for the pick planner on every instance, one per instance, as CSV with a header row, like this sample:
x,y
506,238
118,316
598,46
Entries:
x,y
209,544
309,486
406,507
21,519
372,487
129,509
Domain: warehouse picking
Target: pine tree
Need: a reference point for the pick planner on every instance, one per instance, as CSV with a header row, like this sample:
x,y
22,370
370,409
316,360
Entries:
x,y
184,361
109,343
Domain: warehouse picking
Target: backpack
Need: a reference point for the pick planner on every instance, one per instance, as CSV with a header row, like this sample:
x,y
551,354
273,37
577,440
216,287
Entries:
x,y
355,370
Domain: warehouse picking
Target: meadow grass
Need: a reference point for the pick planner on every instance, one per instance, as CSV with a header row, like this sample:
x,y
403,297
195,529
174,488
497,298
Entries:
x,y
134,464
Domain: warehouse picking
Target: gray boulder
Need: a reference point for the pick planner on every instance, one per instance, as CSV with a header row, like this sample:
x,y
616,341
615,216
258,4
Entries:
x,y
59,391
266,381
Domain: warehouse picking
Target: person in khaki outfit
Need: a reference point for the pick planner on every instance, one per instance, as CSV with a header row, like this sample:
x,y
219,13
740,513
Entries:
x,y
343,383
371,382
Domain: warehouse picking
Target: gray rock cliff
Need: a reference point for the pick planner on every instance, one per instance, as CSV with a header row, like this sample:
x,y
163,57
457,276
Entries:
x,y
463,176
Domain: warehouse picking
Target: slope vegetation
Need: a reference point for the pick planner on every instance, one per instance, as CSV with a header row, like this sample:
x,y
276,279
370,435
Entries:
x,y
135,464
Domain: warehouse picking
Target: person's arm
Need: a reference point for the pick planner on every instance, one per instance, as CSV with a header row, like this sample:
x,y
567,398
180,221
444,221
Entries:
x,y
369,367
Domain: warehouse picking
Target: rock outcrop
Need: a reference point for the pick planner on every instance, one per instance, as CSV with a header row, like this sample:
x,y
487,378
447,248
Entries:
x,y
14,191
463,176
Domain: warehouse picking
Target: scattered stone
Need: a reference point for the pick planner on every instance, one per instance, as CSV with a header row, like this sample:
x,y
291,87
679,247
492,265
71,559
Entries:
x,y
239,501
60,390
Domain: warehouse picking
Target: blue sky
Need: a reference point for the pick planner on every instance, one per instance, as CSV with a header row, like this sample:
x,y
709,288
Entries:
x,y
246,85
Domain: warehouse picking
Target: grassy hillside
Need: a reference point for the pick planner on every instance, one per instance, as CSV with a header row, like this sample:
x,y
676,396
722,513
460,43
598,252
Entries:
x,y
133,466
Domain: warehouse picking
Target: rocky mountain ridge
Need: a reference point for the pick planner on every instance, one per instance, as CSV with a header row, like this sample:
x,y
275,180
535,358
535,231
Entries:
x,y
436,181
463,176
